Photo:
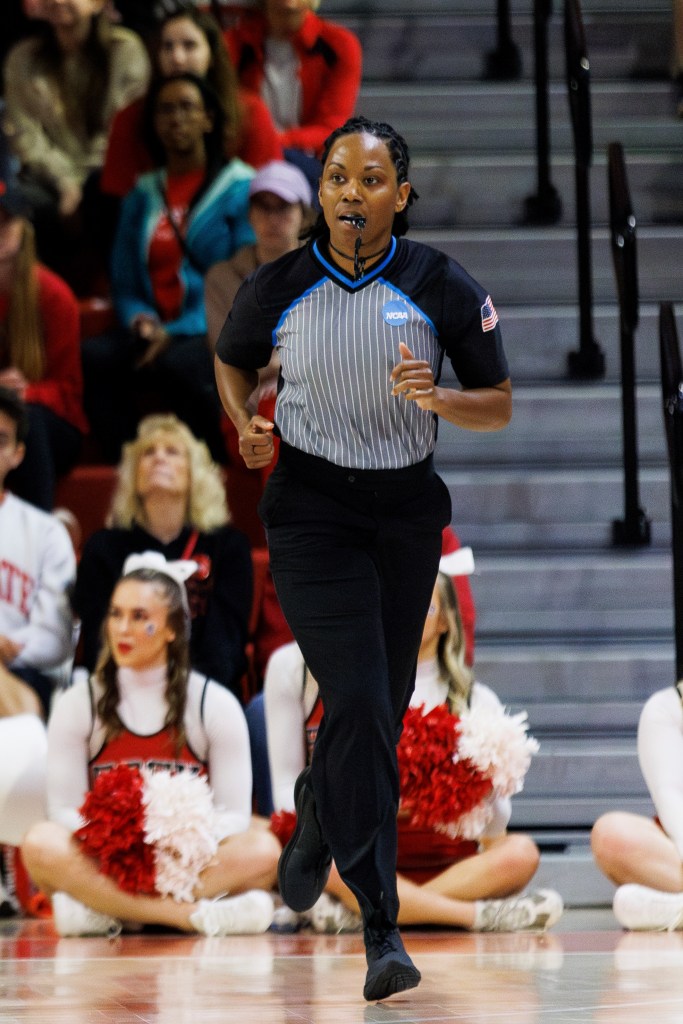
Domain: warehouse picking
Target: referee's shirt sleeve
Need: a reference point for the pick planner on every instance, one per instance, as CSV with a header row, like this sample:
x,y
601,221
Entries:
x,y
473,344
246,338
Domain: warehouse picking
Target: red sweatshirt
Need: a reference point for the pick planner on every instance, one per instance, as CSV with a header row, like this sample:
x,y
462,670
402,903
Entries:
x,y
61,388
329,69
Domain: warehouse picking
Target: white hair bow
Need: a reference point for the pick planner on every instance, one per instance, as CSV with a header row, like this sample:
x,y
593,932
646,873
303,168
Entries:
x,y
178,571
457,563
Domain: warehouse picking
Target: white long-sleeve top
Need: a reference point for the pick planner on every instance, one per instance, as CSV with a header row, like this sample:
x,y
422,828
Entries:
x,y
37,565
216,732
288,703
660,753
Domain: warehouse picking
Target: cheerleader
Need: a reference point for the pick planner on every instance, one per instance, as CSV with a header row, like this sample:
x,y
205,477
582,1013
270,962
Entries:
x,y
451,883
143,706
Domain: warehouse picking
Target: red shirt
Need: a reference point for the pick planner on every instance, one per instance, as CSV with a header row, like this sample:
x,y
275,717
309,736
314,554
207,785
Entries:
x,y
330,63
165,251
61,388
156,751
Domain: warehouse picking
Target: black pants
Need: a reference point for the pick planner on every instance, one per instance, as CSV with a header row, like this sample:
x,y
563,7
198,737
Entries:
x,y
180,380
354,556
52,448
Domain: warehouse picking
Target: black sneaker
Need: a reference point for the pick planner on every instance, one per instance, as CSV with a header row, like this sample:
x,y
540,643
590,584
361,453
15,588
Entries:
x,y
390,969
305,862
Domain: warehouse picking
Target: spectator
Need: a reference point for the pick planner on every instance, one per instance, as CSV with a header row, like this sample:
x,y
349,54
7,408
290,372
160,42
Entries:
x,y
473,885
644,856
144,707
62,89
279,209
37,566
170,498
40,356
308,71
174,225
190,40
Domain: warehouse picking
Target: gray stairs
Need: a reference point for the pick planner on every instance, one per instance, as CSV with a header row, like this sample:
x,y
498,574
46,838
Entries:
x,y
570,628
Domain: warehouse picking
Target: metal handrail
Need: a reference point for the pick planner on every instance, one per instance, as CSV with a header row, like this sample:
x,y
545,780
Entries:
x,y
505,62
672,395
545,207
634,528
589,360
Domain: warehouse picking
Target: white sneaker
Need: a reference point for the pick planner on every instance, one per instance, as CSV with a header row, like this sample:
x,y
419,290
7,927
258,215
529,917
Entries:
x,y
286,920
535,912
74,918
329,916
250,913
641,909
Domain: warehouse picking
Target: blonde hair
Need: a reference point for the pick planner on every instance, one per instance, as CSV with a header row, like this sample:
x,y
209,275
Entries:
x,y
24,334
207,506
451,649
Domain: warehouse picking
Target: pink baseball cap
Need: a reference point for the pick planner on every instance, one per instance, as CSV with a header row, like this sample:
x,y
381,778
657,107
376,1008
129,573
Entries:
x,y
283,180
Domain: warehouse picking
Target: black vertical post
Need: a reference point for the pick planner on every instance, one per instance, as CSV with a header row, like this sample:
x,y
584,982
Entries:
x,y
589,361
545,207
672,395
634,528
505,62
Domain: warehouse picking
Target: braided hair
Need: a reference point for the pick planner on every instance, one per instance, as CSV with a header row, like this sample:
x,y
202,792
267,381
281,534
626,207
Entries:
x,y
400,155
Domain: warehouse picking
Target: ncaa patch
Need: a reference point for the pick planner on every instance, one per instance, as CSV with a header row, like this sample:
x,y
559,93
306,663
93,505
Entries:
x,y
395,313
489,317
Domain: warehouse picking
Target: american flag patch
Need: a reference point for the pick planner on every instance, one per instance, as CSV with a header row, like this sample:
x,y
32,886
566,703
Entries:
x,y
489,317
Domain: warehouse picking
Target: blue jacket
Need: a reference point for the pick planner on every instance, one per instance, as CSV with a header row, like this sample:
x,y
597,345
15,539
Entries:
x,y
216,228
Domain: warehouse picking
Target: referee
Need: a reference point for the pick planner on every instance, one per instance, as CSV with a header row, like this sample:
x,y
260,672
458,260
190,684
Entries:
x,y
361,319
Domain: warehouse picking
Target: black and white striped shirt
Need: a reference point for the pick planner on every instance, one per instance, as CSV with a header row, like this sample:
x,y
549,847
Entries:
x,y
338,342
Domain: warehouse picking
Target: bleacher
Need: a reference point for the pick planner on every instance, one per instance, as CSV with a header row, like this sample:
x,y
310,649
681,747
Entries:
x,y
569,627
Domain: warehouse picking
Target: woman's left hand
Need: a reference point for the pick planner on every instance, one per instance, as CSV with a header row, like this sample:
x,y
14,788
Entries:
x,y
413,378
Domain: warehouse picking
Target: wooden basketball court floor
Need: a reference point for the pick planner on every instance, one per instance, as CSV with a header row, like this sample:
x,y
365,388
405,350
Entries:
x,y
584,970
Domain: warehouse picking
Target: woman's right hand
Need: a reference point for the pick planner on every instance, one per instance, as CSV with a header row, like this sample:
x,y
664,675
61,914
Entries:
x,y
256,443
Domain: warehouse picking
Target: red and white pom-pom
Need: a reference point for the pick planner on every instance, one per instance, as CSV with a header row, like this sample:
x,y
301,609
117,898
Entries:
x,y
453,768
151,831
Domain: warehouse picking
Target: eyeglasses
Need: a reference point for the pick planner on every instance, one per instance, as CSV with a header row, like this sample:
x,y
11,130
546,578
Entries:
x,y
185,107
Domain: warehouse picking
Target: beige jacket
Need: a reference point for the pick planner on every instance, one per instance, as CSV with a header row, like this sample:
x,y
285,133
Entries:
x,y
35,119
